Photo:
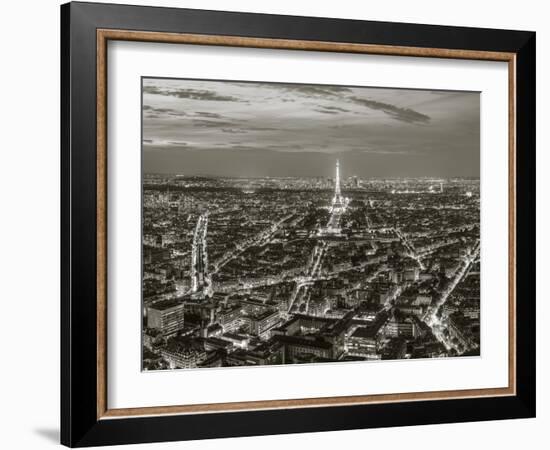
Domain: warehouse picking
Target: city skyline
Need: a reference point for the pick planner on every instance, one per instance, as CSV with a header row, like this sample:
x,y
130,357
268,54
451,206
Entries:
x,y
305,224
278,272
248,129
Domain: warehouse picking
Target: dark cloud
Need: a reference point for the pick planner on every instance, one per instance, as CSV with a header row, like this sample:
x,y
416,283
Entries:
x,y
154,113
208,115
336,109
253,128
403,114
310,90
149,89
202,95
213,123
331,110
169,111
193,94
233,131
306,90
324,111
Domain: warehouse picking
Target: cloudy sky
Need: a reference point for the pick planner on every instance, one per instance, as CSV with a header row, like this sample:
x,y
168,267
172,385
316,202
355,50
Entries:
x,y
198,127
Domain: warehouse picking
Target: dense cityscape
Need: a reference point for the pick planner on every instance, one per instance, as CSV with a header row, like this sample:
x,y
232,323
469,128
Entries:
x,y
265,271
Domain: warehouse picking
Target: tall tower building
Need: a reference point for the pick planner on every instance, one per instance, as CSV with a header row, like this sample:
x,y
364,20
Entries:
x,y
338,207
337,200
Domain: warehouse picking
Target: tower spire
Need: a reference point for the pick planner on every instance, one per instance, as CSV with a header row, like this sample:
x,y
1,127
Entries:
x,y
337,192
337,200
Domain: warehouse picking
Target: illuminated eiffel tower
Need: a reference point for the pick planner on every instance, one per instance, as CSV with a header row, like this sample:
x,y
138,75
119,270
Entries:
x,y
337,201
337,208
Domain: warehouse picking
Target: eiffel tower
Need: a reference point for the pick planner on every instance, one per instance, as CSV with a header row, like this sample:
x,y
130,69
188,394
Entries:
x,y
337,201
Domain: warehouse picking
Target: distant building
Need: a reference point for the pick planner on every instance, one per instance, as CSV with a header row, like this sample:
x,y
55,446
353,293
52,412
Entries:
x,y
459,329
411,274
183,354
212,330
166,316
214,359
261,323
153,254
237,340
297,345
363,342
411,309
423,300
396,277
214,343
230,319
425,276
396,349
397,327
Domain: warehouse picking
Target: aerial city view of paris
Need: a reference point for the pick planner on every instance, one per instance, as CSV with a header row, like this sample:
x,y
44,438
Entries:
x,y
303,224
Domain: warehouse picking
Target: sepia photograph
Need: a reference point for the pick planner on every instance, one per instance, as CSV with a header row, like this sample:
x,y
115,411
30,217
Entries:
x,y
286,222
305,223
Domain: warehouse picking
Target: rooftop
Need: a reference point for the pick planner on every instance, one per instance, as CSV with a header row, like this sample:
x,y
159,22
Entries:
x,y
165,304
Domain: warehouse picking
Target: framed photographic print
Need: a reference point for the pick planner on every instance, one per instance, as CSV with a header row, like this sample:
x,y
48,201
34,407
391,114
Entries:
x,y
276,224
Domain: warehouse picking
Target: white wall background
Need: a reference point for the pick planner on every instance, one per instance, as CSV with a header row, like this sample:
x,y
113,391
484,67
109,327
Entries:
x,y
29,222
